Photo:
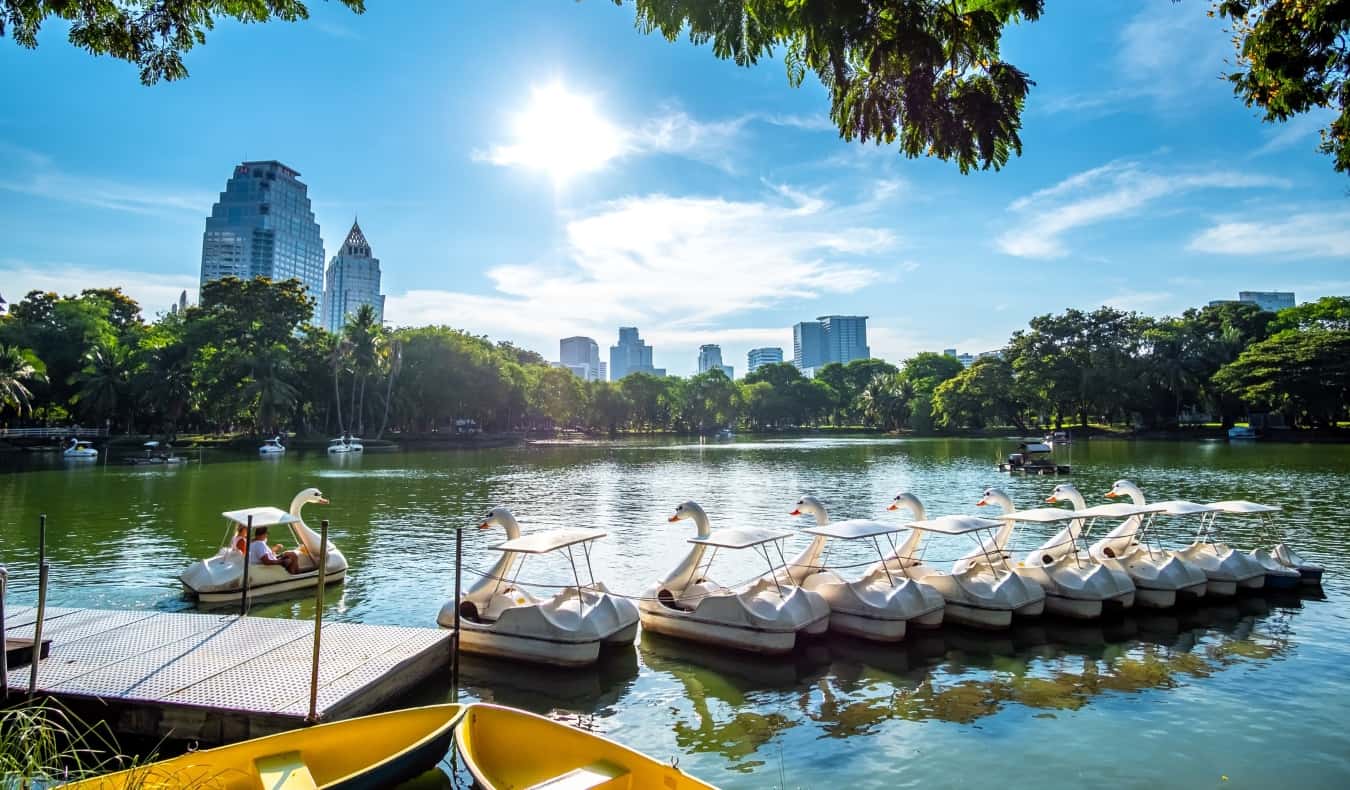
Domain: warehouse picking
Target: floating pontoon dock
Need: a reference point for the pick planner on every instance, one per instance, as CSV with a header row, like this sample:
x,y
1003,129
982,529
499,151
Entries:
x,y
219,678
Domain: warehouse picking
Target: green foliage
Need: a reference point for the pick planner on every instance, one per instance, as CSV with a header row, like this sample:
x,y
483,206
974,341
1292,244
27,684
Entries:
x,y
1331,313
152,34
1294,57
18,368
983,394
926,74
1304,374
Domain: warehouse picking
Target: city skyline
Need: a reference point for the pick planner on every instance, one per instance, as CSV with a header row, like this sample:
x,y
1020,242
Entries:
x,y
711,203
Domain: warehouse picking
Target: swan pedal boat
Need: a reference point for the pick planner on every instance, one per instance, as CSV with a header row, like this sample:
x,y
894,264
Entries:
x,y
272,446
219,579
493,742
763,616
374,752
878,605
1285,570
80,449
498,618
1162,578
1226,568
343,445
981,595
1075,585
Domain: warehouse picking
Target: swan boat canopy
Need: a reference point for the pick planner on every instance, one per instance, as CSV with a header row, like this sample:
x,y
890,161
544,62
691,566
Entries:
x,y
980,594
1161,577
1076,585
761,616
272,446
498,618
881,602
1279,559
79,448
220,578
1226,568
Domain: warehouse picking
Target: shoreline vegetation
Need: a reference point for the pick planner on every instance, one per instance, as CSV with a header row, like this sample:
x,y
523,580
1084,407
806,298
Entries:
x,y
246,363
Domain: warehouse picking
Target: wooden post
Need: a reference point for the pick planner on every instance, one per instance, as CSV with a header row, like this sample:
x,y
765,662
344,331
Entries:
x,y
313,716
36,656
248,546
454,639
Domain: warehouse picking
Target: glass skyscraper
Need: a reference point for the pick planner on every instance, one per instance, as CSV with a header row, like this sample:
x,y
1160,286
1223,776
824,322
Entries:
x,y
631,355
830,338
263,226
353,279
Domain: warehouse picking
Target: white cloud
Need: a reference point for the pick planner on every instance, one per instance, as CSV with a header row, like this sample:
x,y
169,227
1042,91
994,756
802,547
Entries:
x,y
807,123
32,173
154,292
1310,235
675,266
1117,189
1300,131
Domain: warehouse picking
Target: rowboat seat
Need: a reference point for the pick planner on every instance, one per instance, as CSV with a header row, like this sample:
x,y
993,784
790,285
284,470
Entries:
x,y
284,771
599,775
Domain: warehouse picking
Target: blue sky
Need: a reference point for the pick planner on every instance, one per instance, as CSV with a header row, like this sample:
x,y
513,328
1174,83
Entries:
x,y
697,200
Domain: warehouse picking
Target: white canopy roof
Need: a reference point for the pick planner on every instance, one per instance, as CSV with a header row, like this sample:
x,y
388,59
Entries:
x,y
1243,506
1118,510
262,516
1035,447
1040,515
550,540
741,537
1181,507
856,528
955,525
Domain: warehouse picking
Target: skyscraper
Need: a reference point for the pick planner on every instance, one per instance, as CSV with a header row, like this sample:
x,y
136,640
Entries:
x,y
631,355
581,355
262,226
353,279
759,357
1274,301
830,338
710,357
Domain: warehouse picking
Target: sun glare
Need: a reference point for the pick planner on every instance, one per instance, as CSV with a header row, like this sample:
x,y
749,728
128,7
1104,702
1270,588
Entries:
x,y
560,133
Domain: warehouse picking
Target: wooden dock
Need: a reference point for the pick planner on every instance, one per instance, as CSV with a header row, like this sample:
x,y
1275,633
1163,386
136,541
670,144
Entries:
x,y
219,678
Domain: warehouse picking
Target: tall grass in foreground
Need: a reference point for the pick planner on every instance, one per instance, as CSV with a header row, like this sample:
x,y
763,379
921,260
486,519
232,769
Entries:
x,y
43,744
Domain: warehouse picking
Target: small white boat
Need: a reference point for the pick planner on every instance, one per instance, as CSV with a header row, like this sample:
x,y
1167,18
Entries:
x,y
1076,585
80,450
220,578
879,604
156,453
763,616
1240,433
345,444
499,618
1226,568
272,446
982,594
1280,573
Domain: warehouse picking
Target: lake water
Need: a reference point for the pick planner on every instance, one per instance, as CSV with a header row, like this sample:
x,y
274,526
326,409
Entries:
x,y
1244,693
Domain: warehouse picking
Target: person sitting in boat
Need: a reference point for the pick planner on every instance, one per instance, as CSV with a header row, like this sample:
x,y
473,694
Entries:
x,y
261,554
241,539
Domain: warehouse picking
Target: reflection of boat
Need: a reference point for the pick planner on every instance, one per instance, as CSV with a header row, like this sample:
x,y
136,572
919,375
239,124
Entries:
x,y
506,749
541,687
79,449
272,446
1033,458
383,750
982,594
1076,585
763,616
497,617
1285,569
1242,433
1160,577
218,579
879,603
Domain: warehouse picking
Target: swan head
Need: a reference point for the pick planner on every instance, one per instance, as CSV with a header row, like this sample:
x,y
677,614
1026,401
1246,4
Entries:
x,y
310,496
996,496
810,506
497,517
1127,489
686,510
904,500
1064,492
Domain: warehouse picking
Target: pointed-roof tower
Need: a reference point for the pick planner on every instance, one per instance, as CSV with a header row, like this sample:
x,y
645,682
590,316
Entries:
x,y
356,244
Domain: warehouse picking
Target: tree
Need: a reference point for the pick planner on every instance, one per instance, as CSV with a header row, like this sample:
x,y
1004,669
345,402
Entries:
x,y
924,72
554,394
152,34
365,340
1306,375
270,391
18,367
981,395
105,382
1327,313
1293,57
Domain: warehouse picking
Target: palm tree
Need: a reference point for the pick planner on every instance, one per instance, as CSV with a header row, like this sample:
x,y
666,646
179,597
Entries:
x,y
395,356
168,383
366,336
270,373
16,368
105,380
340,357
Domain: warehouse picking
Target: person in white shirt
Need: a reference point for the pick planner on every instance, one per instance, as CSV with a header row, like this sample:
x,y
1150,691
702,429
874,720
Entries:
x,y
259,553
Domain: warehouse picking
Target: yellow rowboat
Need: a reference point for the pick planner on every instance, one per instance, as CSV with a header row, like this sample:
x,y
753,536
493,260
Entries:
x,y
509,749
376,751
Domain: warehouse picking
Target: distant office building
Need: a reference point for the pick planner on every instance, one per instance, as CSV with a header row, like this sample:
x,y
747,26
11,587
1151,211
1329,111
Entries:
x,y
353,279
262,226
631,355
581,355
604,371
1274,301
176,307
966,359
2,304
759,357
710,357
830,338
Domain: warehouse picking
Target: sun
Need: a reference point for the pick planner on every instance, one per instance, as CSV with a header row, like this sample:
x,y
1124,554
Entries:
x,y
560,133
